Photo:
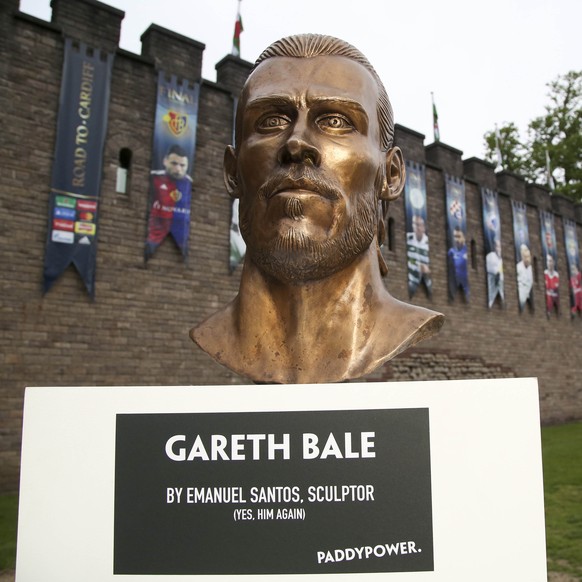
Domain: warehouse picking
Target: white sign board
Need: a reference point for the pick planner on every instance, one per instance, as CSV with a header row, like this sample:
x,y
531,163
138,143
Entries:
x,y
423,481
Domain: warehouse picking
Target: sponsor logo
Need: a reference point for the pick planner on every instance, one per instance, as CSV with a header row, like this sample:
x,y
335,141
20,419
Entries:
x,y
86,216
65,213
84,240
87,205
85,228
63,224
65,201
61,236
177,122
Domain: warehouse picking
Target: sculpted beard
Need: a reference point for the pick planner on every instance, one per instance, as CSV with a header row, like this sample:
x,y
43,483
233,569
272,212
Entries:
x,y
294,256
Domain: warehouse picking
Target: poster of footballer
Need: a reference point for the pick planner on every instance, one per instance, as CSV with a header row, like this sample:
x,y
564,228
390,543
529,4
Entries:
x,y
573,258
417,246
457,256
550,254
172,163
492,242
523,257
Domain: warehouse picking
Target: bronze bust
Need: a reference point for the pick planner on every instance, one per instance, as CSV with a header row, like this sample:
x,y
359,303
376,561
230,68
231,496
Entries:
x,y
314,168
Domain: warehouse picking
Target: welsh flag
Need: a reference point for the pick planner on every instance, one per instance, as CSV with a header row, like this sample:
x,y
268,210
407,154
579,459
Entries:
x,y
238,28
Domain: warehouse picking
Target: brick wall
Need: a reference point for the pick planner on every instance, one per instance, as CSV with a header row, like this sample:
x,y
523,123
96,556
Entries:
x,y
136,330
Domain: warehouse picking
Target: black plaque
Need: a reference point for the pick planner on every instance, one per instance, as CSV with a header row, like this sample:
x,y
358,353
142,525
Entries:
x,y
361,504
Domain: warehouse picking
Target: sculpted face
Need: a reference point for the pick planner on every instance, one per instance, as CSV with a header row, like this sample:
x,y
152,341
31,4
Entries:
x,y
308,166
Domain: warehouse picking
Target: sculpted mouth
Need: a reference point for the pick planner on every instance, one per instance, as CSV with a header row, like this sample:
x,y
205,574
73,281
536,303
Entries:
x,y
299,187
305,182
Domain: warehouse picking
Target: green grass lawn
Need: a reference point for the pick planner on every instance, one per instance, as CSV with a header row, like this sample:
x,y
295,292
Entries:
x,y
562,453
8,515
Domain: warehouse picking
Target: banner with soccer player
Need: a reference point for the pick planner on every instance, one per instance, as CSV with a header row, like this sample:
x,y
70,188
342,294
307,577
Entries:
x,y
238,246
78,163
550,253
492,243
457,256
417,247
172,161
523,258
574,275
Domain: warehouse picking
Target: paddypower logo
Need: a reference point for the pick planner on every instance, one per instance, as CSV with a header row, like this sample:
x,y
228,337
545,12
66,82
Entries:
x,y
367,552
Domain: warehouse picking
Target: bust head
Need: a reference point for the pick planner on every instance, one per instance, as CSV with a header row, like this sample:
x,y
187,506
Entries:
x,y
313,163
314,168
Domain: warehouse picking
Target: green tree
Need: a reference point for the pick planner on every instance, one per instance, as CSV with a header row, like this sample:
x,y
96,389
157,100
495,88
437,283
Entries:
x,y
513,151
559,132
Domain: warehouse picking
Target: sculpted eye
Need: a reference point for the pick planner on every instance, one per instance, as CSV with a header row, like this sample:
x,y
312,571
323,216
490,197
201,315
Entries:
x,y
334,122
274,122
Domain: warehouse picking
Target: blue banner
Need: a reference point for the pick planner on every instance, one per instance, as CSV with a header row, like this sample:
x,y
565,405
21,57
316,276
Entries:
x,y
172,162
492,242
417,246
457,255
78,161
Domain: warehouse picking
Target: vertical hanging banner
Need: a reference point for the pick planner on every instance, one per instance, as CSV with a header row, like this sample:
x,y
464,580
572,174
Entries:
x,y
522,255
77,167
238,247
492,242
172,161
551,275
574,275
457,236
417,248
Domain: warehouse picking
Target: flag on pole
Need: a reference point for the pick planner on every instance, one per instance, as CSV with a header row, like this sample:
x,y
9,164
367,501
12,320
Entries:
x,y
549,178
238,28
498,150
435,120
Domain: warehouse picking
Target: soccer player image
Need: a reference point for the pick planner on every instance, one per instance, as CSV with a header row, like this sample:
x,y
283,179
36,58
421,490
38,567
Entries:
x,y
524,276
457,262
170,209
552,285
417,252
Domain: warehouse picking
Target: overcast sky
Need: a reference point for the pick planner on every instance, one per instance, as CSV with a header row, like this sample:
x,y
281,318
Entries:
x,y
486,62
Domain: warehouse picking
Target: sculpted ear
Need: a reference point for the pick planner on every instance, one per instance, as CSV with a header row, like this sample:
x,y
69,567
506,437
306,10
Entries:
x,y
229,172
395,175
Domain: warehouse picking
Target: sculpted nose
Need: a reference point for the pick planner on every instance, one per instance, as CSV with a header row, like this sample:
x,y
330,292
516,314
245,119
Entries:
x,y
297,150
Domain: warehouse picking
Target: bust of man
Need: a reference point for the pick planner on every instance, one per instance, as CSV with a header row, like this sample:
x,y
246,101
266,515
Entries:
x,y
314,168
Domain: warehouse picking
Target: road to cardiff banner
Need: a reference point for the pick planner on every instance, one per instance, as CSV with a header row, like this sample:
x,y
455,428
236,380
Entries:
x,y
417,246
77,167
172,162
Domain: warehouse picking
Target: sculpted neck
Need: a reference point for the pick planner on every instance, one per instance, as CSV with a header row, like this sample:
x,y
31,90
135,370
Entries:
x,y
329,330
301,312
